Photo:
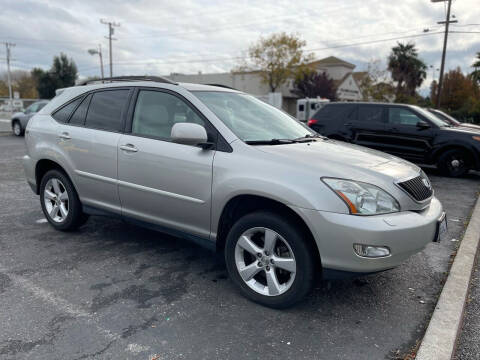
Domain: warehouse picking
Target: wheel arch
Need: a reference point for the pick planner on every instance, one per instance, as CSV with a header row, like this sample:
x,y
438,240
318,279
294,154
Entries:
x,y
241,205
42,167
470,150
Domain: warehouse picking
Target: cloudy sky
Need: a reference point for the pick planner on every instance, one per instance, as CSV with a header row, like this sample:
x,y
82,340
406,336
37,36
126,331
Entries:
x,y
187,36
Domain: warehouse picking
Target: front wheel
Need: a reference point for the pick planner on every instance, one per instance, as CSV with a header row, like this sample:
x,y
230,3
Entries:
x,y
454,163
60,202
269,259
17,129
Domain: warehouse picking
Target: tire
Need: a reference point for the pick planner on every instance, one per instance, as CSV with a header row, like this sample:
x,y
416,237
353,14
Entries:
x,y
454,163
57,191
289,244
17,128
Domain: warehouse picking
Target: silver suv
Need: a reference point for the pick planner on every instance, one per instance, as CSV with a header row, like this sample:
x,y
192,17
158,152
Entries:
x,y
228,171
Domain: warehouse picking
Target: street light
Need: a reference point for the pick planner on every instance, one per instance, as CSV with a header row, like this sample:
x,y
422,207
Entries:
x,y
99,52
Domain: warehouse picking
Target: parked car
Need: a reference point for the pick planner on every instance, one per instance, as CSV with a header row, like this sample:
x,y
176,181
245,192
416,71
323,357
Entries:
x,y
406,131
224,169
20,119
451,120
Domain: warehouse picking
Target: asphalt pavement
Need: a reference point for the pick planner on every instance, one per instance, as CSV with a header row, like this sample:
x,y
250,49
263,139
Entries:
x,y
116,291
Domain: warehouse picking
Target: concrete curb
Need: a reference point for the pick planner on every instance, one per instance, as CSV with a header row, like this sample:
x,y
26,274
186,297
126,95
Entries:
x,y
444,327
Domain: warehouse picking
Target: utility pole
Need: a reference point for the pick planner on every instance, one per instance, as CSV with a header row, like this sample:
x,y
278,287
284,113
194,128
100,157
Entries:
x,y
447,22
111,25
9,78
99,52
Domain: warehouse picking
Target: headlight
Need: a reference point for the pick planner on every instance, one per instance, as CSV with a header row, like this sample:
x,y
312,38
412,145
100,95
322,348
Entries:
x,y
362,198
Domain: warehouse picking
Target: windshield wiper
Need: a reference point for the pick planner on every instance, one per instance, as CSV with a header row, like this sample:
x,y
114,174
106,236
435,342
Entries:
x,y
310,137
271,142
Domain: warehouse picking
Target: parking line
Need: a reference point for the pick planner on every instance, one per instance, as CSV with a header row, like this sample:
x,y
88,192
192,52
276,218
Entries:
x,y
64,306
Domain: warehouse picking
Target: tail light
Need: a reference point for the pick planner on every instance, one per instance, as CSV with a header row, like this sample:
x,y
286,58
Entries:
x,y
311,122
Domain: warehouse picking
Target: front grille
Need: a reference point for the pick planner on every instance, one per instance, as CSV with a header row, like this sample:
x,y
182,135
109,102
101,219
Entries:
x,y
417,189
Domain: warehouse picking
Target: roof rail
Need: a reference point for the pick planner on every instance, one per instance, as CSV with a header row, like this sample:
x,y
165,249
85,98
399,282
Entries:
x,y
222,86
158,79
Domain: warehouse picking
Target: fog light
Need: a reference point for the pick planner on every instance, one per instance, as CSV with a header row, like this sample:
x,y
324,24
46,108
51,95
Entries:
x,y
371,251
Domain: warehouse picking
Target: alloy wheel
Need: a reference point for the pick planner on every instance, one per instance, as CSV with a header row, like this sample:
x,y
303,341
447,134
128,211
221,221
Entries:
x,y
56,200
17,130
265,261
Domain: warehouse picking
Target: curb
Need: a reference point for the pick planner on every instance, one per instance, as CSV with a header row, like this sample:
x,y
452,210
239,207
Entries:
x,y
445,326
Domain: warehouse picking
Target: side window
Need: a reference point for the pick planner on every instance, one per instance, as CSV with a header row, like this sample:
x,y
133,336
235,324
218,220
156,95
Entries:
x,y
78,117
41,106
156,112
106,110
399,116
368,113
63,113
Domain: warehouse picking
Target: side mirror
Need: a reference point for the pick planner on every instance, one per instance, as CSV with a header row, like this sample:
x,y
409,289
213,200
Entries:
x,y
189,134
423,125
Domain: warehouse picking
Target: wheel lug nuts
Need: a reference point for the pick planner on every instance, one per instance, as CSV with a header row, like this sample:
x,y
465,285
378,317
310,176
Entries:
x,y
266,253
259,255
268,268
259,264
271,261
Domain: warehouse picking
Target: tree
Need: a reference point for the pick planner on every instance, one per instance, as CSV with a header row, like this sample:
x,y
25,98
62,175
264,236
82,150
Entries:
x,y
277,57
476,72
376,84
22,82
459,91
63,73
312,84
407,70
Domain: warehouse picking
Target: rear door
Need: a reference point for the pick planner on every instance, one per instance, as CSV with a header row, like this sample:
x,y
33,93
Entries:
x,y
89,139
160,181
366,125
403,137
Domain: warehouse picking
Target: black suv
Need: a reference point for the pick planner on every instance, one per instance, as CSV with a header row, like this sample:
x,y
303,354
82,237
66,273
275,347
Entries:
x,y
407,131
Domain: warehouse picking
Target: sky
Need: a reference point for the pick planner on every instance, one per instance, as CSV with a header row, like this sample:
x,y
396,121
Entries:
x,y
158,37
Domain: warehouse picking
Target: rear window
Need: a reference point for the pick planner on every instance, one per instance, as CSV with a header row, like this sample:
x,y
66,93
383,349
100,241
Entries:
x,y
63,113
331,112
78,117
106,110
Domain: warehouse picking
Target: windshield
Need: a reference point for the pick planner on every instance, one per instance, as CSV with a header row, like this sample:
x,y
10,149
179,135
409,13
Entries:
x,y
445,117
434,119
251,119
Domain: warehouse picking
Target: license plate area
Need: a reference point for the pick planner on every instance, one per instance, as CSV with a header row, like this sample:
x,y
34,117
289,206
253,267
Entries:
x,y
442,228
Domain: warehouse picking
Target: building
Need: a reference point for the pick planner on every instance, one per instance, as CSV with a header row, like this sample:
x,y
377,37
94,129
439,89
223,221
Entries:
x,y
346,81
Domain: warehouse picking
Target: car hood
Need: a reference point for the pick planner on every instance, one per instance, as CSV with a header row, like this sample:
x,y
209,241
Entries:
x,y
340,159
470,126
474,130
17,114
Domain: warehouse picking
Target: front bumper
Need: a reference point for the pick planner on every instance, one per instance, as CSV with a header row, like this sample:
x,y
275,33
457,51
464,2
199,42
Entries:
x,y
404,233
29,168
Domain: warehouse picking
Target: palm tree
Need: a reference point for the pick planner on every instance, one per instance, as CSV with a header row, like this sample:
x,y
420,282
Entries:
x,y
476,72
407,69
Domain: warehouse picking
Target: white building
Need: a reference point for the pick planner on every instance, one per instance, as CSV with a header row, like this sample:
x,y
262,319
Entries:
x,y
338,70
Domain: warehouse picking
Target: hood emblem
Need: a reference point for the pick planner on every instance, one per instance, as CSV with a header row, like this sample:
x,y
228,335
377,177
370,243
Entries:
x,y
426,183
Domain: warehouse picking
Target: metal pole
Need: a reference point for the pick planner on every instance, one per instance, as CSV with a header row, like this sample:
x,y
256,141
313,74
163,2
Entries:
x,y
442,66
110,31
9,79
101,59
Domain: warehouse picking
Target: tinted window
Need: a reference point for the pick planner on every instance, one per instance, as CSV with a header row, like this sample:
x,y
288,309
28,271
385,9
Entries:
x,y
63,114
332,112
301,107
156,112
370,113
106,110
78,117
399,116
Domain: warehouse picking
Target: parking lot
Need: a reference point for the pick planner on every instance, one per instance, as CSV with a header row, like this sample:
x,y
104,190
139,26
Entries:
x,y
113,290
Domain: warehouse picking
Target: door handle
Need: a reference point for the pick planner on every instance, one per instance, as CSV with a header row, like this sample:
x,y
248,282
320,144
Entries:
x,y
128,148
348,124
65,136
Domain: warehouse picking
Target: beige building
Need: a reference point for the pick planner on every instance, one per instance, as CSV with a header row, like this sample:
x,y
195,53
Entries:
x,y
339,70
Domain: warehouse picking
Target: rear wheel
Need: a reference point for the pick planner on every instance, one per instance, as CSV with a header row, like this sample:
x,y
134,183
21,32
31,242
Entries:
x,y
269,260
60,202
454,163
17,128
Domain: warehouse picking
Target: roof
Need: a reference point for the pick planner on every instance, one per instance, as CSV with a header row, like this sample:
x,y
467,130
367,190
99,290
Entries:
x,y
359,76
332,60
